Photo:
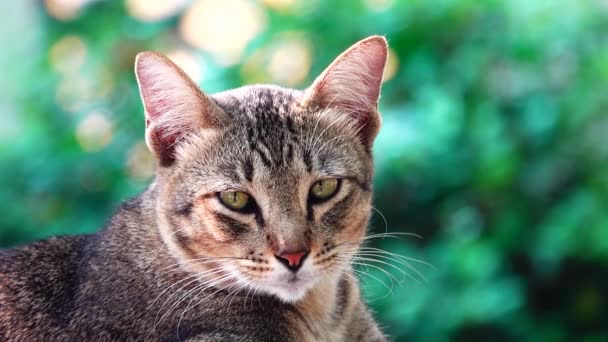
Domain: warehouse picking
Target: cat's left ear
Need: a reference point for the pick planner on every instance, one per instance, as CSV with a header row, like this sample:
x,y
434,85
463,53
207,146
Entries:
x,y
351,85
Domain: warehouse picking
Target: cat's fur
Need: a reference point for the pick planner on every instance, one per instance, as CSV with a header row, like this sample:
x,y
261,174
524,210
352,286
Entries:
x,y
174,264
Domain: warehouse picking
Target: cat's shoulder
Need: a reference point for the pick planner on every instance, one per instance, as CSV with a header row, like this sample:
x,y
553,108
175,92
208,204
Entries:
x,y
42,254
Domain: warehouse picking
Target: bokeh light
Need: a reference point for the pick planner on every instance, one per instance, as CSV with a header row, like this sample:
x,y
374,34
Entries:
x,y
75,93
281,5
290,60
222,27
68,54
140,162
392,65
65,9
154,10
94,132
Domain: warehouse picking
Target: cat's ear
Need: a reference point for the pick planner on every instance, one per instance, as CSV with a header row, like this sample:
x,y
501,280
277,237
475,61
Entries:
x,y
173,103
351,84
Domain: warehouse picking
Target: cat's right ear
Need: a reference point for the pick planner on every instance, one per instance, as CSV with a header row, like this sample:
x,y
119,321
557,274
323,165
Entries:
x,y
173,103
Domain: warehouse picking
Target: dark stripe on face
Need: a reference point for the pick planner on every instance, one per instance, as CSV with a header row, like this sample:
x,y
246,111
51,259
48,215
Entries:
x,y
184,209
181,238
307,160
259,219
248,169
338,212
265,160
234,227
184,242
310,214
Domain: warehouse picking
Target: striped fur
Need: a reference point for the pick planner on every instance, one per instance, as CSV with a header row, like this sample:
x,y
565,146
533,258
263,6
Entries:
x,y
174,264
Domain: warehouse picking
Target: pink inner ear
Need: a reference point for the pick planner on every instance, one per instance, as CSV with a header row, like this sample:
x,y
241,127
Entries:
x,y
155,105
173,104
153,98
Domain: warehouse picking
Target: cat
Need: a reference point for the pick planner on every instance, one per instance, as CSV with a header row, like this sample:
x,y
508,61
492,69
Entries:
x,y
261,198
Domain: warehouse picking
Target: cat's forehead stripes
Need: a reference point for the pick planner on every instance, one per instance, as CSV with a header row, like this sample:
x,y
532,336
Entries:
x,y
265,121
253,101
275,132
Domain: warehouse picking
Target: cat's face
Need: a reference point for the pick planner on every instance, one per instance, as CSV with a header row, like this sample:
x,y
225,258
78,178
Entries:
x,y
264,188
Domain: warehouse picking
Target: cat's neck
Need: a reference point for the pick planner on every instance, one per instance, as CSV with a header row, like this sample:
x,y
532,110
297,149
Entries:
x,y
328,303
134,230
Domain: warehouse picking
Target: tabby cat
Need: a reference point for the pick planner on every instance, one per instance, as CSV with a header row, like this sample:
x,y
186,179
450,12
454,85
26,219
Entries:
x,y
261,198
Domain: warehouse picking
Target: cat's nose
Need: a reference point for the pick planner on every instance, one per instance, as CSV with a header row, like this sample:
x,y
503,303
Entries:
x,y
293,261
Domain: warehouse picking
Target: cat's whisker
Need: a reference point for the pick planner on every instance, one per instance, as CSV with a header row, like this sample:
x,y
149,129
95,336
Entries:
x,y
226,288
247,296
383,218
242,286
401,262
164,244
405,274
227,277
199,275
395,255
366,274
361,262
179,265
198,288
376,252
202,260
156,321
190,306
365,261
390,235
358,241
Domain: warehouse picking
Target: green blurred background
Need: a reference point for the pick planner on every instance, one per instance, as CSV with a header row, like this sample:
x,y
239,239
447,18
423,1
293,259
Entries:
x,y
494,146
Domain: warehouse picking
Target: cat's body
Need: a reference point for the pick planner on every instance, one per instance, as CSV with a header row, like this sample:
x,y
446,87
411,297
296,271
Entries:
x,y
260,201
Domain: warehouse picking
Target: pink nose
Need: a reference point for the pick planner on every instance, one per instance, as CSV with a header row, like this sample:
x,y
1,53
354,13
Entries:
x,y
293,261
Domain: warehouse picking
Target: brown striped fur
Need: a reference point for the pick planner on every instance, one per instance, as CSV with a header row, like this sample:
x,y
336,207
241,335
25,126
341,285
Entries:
x,y
174,264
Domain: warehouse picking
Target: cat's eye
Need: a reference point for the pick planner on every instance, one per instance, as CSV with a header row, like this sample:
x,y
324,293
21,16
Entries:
x,y
236,200
324,189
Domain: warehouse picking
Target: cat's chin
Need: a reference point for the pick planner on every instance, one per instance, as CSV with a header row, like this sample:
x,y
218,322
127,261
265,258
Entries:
x,y
290,291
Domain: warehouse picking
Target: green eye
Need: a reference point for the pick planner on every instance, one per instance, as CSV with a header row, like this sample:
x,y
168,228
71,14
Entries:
x,y
236,200
324,188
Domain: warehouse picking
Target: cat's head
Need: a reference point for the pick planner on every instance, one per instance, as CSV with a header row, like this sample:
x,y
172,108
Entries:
x,y
261,187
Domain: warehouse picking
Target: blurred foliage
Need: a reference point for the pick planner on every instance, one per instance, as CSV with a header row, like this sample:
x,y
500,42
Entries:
x,y
493,146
